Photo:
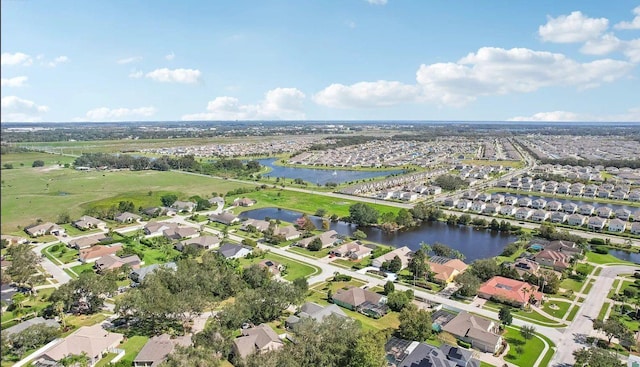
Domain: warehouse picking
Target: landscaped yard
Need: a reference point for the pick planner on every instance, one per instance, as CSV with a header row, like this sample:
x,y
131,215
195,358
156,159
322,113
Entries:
x,y
295,269
556,308
531,316
132,346
571,284
31,305
61,254
79,269
593,257
523,353
308,253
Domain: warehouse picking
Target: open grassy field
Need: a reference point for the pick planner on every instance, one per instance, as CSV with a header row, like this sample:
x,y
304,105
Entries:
x,y
32,193
529,352
24,160
595,258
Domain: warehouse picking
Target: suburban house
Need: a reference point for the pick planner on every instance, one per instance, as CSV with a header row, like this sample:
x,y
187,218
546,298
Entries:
x,y
231,251
361,300
450,202
540,215
218,200
478,206
635,228
314,311
576,220
257,339
405,353
272,267
258,224
508,210
559,217
524,266
138,275
13,240
622,213
156,228
539,204
596,223
604,212
111,262
177,233
93,341
462,357
224,218
243,202
28,323
586,209
86,222
87,241
445,269
554,205
559,261
157,211
204,242
127,217
617,225
404,253
464,204
156,350
523,213
509,291
328,238
354,250
569,207
92,254
288,232
42,229
481,333
492,208
184,206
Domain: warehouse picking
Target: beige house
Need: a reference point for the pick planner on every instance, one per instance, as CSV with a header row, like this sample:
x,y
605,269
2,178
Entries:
x,y
481,333
404,253
257,339
158,348
445,270
44,229
328,238
352,250
86,222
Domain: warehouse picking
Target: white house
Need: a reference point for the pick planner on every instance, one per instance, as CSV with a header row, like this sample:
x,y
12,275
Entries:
x,y
617,225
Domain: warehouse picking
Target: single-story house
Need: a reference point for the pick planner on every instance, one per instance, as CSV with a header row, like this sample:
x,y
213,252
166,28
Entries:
x,y
93,341
314,311
404,253
231,251
524,265
224,218
567,247
42,229
184,206
138,275
178,233
272,267
87,241
511,291
86,222
216,200
111,262
92,254
156,350
445,269
481,333
258,224
29,323
13,240
127,217
243,202
328,238
423,354
257,339
361,300
156,228
204,242
559,261
288,232
354,250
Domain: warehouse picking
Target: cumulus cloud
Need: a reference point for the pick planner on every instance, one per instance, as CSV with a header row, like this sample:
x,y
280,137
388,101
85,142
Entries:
x,y
632,50
278,104
634,24
136,74
129,60
489,71
603,45
632,115
184,76
571,28
17,58
57,61
16,109
117,114
18,81
377,2
170,56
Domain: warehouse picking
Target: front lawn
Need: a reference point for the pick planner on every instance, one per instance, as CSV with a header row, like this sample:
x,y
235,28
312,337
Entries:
x,y
294,268
32,305
79,269
308,253
522,352
571,284
556,308
60,253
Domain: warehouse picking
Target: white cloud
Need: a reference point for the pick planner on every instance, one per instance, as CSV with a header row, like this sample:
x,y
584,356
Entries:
x,y
367,94
278,104
58,60
18,81
19,117
632,50
603,45
170,56
117,114
634,24
136,74
377,2
632,115
17,58
185,76
574,27
489,71
18,104
129,60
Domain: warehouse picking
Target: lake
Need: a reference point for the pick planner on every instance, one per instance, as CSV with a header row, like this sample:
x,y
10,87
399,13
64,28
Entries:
x,y
625,255
473,243
321,176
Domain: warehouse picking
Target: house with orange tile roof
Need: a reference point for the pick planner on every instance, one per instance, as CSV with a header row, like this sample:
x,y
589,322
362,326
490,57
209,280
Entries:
x,y
445,269
510,291
92,254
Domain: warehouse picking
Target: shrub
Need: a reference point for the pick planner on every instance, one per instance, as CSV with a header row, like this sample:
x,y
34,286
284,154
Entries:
x,y
341,278
596,241
464,344
601,250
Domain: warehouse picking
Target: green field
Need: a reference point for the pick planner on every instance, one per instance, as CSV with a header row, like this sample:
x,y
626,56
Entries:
x,y
32,193
531,349
295,269
595,258
560,311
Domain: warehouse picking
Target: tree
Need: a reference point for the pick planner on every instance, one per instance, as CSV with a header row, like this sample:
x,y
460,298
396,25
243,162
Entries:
x,y
369,350
191,357
415,324
527,332
505,315
389,287
485,269
397,301
393,266
63,218
363,214
8,166
168,199
75,360
468,283
256,276
405,218
315,245
440,249
418,264
31,338
611,327
86,294
359,235
23,264
38,163
596,357
320,212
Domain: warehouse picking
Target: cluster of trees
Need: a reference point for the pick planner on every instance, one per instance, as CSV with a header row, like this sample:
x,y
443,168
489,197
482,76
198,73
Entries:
x,y
596,357
23,269
14,346
86,294
450,182
550,232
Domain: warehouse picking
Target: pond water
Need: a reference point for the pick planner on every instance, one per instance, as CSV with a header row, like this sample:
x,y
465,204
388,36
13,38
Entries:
x,y
321,176
625,255
575,201
473,243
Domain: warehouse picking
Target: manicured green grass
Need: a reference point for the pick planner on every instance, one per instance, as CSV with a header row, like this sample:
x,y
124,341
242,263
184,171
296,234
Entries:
x,y
72,231
571,284
25,160
308,253
64,254
132,346
573,312
597,272
595,258
485,364
531,349
295,269
105,360
587,289
562,309
79,269
77,321
614,287
530,316
603,310
307,203
30,193
153,255
31,305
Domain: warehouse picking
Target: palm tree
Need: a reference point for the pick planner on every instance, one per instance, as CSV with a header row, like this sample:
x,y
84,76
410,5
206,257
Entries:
x,y
58,308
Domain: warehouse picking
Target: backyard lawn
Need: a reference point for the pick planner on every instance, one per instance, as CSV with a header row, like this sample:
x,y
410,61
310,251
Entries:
x,y
132,346
295,269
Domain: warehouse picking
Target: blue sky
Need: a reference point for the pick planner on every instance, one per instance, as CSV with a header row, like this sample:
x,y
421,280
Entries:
x,y
320,60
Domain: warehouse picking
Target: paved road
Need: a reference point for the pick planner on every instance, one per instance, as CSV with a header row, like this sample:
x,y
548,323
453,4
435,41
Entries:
x,y
582,326
51,268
